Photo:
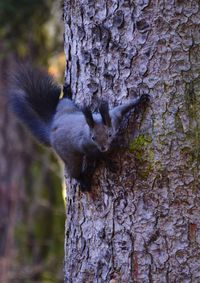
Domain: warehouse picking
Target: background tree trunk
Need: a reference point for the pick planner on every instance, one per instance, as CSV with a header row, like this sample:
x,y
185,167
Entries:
x,y
13,169
31,202
141,224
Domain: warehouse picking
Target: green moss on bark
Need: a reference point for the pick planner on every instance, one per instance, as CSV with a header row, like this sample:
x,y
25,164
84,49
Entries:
x,y
143,153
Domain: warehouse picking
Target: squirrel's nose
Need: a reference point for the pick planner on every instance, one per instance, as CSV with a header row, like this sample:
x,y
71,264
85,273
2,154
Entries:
x,y
103,148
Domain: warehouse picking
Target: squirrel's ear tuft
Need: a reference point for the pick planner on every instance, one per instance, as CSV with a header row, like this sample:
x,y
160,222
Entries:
x,y
104,111
88,116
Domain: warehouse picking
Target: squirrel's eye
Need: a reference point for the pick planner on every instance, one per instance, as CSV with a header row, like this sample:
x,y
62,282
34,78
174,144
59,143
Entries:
x,y
110,135
93,138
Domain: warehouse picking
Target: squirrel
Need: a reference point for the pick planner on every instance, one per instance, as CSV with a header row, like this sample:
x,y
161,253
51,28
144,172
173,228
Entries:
x,y
76,134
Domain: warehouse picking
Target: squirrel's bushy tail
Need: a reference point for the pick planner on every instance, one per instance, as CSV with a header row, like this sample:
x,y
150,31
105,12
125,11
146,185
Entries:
x,y
33,97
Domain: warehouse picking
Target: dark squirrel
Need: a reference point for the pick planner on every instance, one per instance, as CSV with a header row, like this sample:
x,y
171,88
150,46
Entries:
x,y
77,135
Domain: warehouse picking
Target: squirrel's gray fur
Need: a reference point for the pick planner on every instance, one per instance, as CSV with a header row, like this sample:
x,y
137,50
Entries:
x,y
77,135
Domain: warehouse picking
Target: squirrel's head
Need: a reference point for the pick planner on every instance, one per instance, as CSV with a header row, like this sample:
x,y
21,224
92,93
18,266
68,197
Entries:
x,y
101,131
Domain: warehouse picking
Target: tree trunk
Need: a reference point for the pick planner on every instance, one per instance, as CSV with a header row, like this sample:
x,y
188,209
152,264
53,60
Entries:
x,y
141,224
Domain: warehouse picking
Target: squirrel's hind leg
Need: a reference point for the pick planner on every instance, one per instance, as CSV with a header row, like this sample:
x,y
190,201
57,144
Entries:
x,y
67,91
88,169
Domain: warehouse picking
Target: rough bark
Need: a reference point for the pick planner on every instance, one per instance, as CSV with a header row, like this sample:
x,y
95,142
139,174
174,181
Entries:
x,y
141,224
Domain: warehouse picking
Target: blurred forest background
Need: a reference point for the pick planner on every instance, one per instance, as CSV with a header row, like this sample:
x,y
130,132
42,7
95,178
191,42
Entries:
x,y
32,209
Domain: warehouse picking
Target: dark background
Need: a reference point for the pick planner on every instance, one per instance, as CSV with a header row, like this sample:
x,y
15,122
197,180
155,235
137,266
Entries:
x,y
32,209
